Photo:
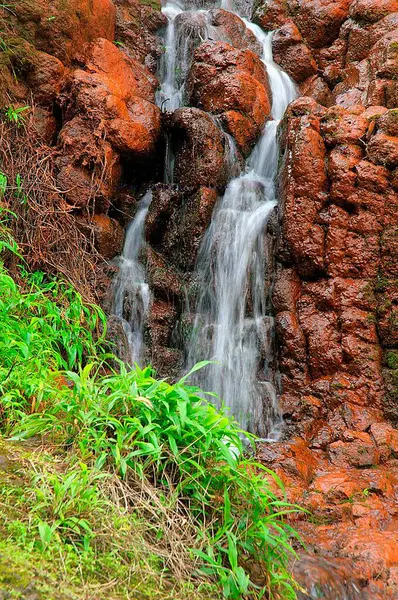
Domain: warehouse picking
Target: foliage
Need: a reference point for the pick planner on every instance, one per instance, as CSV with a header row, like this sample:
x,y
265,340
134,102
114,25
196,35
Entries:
x,y
15,115
173,452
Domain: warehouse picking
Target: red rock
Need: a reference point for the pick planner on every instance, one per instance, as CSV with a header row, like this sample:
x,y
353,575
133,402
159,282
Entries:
x,y
388,122
372,177
319,21
136,27
383,150
44,124
359,418
64,30
233,30
222,79
293,340
349,254
76,185
342,126
161,321
291,53
199,148
109,236
373,112
323,340
357,451
321,435
383,58
138,132
45,77
164,280
123,76
271,15
87,166
386,438
377,549
286,290
317,88
337,485
372,10
187,226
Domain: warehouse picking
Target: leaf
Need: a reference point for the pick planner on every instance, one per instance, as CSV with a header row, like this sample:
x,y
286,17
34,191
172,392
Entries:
x,y
197,367
45,533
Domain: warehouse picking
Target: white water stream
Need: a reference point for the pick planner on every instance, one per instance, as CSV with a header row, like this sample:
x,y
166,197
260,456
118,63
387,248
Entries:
x,y
232,324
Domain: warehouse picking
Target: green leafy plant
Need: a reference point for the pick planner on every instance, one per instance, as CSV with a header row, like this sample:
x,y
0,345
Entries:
x,y
15,115
173,451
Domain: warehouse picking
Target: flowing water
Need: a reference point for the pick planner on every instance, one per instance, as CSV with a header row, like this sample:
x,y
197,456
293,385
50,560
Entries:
x,y
131,298
232,323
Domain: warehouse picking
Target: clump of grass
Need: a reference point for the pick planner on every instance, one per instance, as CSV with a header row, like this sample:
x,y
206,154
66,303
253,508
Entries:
x,y
151,451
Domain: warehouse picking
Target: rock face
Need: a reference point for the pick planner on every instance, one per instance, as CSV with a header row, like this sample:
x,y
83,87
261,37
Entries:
x,y
340,52
231,83
335,294
94,104
110,99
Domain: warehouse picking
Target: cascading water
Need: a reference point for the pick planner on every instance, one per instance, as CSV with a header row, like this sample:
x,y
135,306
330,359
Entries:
x,y
232,326
131,297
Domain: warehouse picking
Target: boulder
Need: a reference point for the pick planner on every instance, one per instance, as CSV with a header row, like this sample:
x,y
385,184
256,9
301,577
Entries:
x,y
200,150
61,28
224,81
292,54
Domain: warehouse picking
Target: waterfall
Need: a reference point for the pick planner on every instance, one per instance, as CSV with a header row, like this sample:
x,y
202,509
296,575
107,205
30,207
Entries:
x,y
131,298
232,325
232,321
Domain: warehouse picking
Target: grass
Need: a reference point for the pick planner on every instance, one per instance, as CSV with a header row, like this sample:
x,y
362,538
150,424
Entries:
x,y
136,484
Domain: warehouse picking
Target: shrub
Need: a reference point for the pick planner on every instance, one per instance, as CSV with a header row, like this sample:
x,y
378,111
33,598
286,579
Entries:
x,y
181,463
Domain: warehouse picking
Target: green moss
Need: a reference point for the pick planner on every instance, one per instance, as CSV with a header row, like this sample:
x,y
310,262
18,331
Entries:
x,y
16,53
155,4
392,359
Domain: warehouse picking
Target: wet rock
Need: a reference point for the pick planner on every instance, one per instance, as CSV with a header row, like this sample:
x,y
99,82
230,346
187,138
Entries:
x,y
87,166
375,550
318,89
63,30
358,451
292,54
119,92
136,27
224,79
44,124
230,28
164,280
328,579
187,228
343,126
372,10
161,321
45,77
116,335
200,150
302,194
109,236
112,99
383,150
318,21
271,14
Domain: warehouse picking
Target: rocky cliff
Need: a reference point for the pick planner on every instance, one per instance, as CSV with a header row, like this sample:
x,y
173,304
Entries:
x,y
89,71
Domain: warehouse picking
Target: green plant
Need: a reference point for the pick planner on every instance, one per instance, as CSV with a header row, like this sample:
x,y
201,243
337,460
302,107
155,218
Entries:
x,y
176,455
15,115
